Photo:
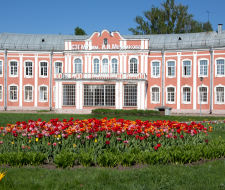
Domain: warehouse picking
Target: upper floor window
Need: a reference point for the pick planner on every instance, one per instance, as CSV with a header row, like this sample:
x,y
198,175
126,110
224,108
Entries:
x,y
186,68
77,66
28,93
105,66
44,69
220,67
1,68
28,68
203,94
170,68
155,94
114,66
58,67
13,93
155,69
43,96
186,94
133,65
96,65
13,68
170,95
203,68
219,94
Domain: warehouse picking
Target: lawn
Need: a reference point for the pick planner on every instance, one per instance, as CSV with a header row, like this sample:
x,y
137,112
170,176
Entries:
x,y
209,175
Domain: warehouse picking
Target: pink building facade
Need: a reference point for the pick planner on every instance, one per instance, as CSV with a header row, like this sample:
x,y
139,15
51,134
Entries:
x,y
75,74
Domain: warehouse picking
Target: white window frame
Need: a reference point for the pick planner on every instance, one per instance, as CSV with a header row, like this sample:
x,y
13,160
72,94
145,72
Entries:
x,y
1,91
220,86
102,65
39,91
199,94
168,76
54,95
111,67
1,75
17,92
28,85
203,59
169,102
43,76
58,61
186,76
96,57
219,75
10,75
77,57
131,57
154,76
28,76
155,86
182,90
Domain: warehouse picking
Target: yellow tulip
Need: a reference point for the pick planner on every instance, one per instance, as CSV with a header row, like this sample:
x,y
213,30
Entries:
x,y
59,136
74,145
2,175
12,142
37,139
96,140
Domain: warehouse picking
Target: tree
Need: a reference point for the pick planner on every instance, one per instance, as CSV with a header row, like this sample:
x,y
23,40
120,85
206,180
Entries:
x,y
79,31
170,19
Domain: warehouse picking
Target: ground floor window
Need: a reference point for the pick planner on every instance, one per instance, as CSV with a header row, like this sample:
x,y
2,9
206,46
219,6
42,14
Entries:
x,y
203,94
186,94
130,95
43,93
69,94
99,95
28,93
0,92
171,95
13,92
155,94
220,94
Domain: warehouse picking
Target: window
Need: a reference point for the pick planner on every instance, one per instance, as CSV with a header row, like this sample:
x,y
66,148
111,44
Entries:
x,y
133,65
58,67
1,94
170,95
54,91
28,68
43,93
1,68
186,94
186,68
130,95
203,68
69,94
105,66
77,66
203,94
114,66
171,68
13,68
99,95
13,93
219,94
155,69
155,94
220,67
96,66
44,69
28,93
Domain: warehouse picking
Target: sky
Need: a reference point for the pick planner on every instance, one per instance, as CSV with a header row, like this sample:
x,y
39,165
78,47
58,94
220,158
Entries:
x,y
63,16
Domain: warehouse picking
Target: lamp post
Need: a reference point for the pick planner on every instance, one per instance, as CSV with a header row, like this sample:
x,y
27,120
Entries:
x,y
201,79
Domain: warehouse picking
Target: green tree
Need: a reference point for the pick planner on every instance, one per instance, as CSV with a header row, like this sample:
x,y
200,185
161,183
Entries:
x,y
170,19
79,31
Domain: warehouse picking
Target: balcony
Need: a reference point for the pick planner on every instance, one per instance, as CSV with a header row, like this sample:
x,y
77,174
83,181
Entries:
x,y
102,76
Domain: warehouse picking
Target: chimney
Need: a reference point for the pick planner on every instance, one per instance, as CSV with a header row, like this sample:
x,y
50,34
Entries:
x,y
220,28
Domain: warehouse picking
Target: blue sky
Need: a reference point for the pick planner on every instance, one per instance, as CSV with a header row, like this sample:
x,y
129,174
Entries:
x,y
54,17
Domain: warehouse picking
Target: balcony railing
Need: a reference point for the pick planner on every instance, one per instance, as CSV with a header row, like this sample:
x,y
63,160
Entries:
x,y
101,76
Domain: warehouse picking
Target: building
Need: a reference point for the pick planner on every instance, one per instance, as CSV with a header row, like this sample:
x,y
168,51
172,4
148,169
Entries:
x,y
75,74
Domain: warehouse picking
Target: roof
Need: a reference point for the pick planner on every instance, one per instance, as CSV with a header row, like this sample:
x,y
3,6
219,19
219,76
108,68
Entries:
x,y
15,41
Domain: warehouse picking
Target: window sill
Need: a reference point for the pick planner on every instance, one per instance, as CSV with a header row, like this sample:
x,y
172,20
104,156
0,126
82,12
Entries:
x,y
43,101
202,103
219,103
186,102
170,76
220,76
13,100
204,76
43,76
28,76
155,102
68,105
28,100
170,102
13,76
155,77
186,76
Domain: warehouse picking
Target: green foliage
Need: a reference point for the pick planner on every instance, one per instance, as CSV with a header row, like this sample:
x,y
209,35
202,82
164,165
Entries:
x,y
170,19
65,159
79,31
108,159
133,112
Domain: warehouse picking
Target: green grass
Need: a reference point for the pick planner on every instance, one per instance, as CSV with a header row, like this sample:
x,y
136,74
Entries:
x,y
210,176
12,118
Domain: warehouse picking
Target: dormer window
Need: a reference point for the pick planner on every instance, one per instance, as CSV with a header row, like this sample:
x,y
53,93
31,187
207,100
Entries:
x,y
105,41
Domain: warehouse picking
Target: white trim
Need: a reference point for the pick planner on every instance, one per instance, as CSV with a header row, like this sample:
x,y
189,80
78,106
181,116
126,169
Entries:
x,y
170,60
199,94
154,86
36,81
54,93
194,80
17,92
43,76
203,59
42,85
219,103
13,60
21,82
32,92
219,75
186,76
186,86
169,102
152,76
24,63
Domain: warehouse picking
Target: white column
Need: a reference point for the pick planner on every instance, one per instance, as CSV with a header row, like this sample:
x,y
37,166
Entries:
x,y
56,95
142,63
77,95
21,82
89,64
121,63
60,95
117,95
85,64
146,64
146,95
81,95
125,64
142,44
178,80
138,96
66,63
36,81
142,95
121,95
69,57
194,80
90,45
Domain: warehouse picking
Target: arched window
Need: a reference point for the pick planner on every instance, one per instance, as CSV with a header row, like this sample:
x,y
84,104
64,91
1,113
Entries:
x,y
105,66
170,95
133,65
78,66
96,66
155,94
114,66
